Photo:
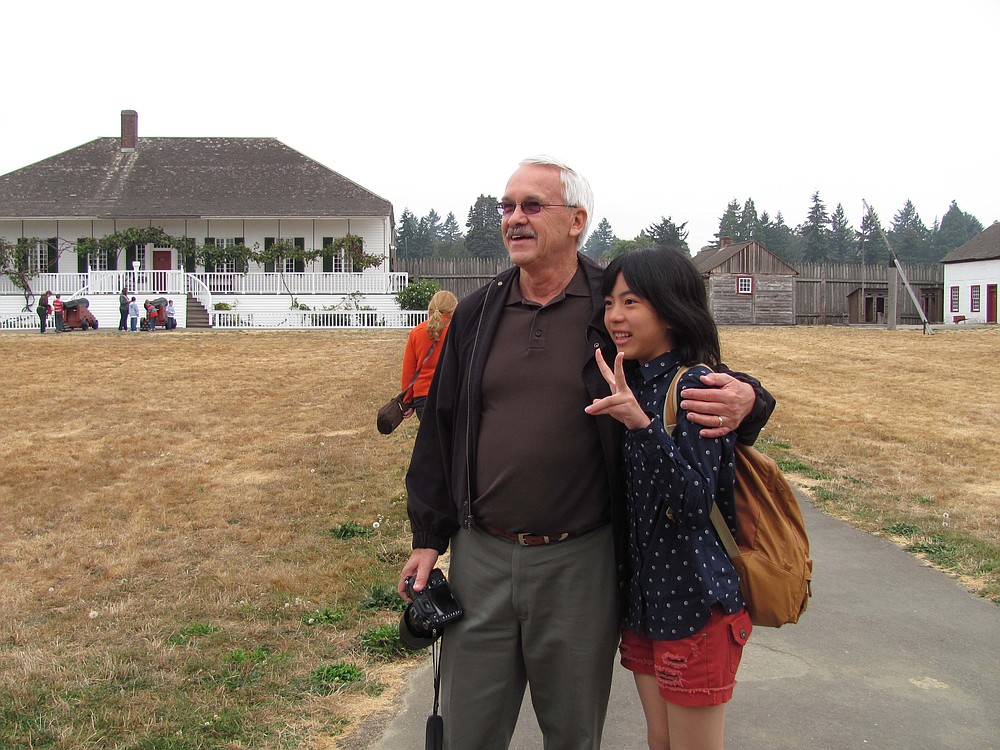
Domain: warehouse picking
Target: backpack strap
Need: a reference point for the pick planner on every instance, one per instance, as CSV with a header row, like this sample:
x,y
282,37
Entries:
x,y
670,406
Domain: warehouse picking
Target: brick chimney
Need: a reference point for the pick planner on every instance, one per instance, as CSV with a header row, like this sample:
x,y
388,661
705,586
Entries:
x,y
723,241
130,129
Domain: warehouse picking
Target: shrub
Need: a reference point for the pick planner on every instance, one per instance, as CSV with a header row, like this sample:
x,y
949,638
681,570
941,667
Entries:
x,y
417,295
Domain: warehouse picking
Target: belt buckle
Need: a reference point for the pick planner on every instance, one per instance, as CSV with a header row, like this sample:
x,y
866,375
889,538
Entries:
x,y
522,539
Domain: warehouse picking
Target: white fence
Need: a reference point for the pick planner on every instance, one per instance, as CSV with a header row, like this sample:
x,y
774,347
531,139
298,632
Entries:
x,y
315,319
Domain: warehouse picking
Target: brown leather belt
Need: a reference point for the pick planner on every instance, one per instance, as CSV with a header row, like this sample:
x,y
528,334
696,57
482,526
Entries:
x,y
533,540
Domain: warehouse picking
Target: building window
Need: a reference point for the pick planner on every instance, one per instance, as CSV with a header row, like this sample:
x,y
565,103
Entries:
x,y
227,265
974,299
99,260
954,299
38,258
286,265
744,284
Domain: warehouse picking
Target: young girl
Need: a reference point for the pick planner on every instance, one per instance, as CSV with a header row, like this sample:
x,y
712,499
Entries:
x,y
685,623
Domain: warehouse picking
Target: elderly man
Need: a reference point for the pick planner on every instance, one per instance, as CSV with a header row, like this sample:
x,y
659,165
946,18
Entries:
x,y
526,487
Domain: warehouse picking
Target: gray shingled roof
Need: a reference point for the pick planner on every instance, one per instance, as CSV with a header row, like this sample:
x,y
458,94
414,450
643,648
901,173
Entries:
x,y
184,177
984,246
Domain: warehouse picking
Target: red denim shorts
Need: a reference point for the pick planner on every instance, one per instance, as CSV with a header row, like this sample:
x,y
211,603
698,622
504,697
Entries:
x,y
699,670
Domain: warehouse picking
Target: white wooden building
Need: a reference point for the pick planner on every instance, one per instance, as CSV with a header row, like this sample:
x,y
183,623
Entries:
x,y
971,278
223,191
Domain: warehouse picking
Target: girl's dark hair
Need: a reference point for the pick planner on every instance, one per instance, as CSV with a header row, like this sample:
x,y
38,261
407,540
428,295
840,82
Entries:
x,y
668,280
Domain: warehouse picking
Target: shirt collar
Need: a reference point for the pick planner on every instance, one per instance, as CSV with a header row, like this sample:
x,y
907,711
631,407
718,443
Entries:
x,y
577,287
660,366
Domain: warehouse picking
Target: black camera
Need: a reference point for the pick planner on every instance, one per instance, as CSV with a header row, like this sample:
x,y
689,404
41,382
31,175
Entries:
x,y
431,609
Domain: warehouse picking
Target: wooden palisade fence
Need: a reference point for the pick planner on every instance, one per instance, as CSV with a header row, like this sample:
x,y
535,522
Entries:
x,y
825,293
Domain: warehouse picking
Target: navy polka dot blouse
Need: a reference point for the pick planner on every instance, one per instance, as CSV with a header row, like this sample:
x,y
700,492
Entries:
x,y
677,567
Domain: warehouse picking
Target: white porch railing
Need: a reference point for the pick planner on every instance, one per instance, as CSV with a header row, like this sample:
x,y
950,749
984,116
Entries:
x,y
176,282
232,319
303,283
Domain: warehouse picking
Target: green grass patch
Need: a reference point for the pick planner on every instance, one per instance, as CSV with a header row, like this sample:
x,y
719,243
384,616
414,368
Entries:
x,y
330,677
382,642
902,528
793,466
185,634
382,596
325,616
350,530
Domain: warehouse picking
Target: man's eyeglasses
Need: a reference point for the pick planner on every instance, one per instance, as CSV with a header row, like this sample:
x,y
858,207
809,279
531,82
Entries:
x,y
506,208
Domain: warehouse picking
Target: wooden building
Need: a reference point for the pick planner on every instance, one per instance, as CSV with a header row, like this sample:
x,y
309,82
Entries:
x,y
747,284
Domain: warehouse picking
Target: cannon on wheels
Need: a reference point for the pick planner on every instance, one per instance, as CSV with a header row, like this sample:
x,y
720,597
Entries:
x,y
77,314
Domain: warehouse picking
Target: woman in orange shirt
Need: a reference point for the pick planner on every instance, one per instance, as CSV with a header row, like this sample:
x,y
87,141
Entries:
x,y
431,332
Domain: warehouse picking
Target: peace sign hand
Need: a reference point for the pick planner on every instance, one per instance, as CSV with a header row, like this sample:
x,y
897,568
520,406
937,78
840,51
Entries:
x,y
621,404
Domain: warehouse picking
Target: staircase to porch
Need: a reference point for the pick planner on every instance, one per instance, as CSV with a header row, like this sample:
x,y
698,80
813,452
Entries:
x,y
197,315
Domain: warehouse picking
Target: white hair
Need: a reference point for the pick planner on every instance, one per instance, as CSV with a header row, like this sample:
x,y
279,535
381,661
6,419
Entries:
x,y
576,189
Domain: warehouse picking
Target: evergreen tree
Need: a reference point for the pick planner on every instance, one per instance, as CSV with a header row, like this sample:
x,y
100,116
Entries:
x,y
483,239
815,233
909,236
729,223
749,223
777,236
956,228
843,239
450,231
600,240
667,234
422,244
407,240
871,247
432,227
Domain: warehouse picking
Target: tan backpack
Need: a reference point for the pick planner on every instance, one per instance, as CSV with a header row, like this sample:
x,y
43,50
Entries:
x,y
771,549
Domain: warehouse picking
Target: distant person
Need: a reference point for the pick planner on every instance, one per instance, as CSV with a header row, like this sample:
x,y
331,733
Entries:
x,y
151,313
685,623
123,308
133,315
171,320
428,334
44,309
58,310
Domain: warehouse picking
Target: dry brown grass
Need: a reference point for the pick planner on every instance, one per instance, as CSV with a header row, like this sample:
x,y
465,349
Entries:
x,y
902,417
158,486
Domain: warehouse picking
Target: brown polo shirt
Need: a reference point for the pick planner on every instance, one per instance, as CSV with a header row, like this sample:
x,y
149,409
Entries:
x,y
540,467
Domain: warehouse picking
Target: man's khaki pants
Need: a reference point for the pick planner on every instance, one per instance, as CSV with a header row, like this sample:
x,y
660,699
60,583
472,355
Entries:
x,y
544,616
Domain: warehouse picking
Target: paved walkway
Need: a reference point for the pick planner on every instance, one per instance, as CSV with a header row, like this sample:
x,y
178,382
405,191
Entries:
x,y
891,654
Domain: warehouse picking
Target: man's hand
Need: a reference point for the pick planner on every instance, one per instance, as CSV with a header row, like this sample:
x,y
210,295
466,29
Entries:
x,y
420,564
721,409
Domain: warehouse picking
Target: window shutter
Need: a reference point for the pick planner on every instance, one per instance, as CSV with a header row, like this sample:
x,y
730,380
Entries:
x,y
190,265
131,253
241,264
81,258
209,241
327,259
52,264
268,265
300,265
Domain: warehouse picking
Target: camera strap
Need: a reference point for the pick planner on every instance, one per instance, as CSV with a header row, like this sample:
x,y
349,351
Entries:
x,y
434,737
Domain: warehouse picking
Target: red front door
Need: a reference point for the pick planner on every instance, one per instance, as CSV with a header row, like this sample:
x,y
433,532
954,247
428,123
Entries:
x,y
991,303
161,262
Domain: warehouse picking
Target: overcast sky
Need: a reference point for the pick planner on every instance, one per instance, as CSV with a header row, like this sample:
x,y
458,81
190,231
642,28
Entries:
x,y
670,109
